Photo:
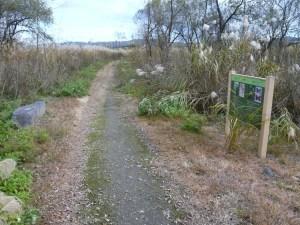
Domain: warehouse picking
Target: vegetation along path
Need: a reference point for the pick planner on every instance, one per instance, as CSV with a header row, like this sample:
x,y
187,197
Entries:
x,y
107,157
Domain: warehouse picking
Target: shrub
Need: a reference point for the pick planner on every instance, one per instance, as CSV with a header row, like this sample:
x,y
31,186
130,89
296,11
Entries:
x,y
281,126
193,123
174,105
147,107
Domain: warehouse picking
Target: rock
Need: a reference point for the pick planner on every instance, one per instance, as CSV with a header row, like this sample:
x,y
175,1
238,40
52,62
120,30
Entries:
x,y
10,205
2,222
7,166
28,115
269,172
13,207
296,178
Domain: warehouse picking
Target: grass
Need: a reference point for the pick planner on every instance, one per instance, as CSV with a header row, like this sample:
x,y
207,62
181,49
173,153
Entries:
x,y
18,185
96,177
20,145
80,84
154,102
23,144
131,84
193,123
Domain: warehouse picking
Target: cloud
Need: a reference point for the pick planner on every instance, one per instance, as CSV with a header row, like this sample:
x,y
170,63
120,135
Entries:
x,y
97,20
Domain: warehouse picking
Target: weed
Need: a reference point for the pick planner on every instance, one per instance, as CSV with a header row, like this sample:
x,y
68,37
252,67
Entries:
x,y
130,83
41,136
281,126
80,84
19,144
18,185
30,216
174,105
147,107
193,123
237,129
7,107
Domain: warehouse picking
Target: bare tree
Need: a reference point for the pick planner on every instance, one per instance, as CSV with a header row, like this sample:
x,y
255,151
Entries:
x,y
277,20
22,16
227,11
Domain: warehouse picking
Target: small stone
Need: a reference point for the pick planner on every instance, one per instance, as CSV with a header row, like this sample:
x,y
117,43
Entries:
x,y
7,167
269,172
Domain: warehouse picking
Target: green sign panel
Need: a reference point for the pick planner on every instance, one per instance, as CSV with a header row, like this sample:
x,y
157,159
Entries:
x,y
247,96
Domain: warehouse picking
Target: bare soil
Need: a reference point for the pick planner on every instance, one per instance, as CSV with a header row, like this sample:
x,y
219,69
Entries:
x,y
219,187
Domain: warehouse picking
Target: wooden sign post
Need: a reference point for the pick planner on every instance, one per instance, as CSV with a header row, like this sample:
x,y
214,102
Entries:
x,y
266,118
251,99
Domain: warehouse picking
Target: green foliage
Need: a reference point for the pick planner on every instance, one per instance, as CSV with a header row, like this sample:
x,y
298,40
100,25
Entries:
x,y
193,123
148,107
237,129
80,84
19,145
7,107
41,136
131,84
18,185
174,105
267,68
75,88
281,126
29,217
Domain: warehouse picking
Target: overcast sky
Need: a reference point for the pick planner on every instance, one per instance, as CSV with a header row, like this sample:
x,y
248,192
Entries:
x,y
93,20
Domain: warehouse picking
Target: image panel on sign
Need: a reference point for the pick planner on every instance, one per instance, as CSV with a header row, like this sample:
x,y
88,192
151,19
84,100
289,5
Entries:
x,y
258,96
236,86
242,90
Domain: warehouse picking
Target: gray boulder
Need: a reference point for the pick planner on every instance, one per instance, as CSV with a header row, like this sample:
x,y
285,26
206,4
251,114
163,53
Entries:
x,y
7,166
29,114
10,205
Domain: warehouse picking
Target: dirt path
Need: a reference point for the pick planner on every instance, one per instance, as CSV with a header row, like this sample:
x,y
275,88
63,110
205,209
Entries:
x,y
103,177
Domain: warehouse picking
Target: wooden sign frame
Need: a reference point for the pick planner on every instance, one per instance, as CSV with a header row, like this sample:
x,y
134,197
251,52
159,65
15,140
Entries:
x,y
266,112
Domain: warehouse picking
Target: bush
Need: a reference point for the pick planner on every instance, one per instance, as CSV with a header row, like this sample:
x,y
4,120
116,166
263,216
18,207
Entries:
x,y
193,123
147,107
174,105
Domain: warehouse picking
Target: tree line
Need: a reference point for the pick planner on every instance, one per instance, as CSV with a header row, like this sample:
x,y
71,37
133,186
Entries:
x,y
269,22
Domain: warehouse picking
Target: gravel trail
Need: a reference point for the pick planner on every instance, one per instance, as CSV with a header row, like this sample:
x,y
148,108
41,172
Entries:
x,y
121,189
102,173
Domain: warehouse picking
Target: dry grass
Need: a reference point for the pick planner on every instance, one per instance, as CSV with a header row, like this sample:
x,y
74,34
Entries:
x,y
25,71
224,188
